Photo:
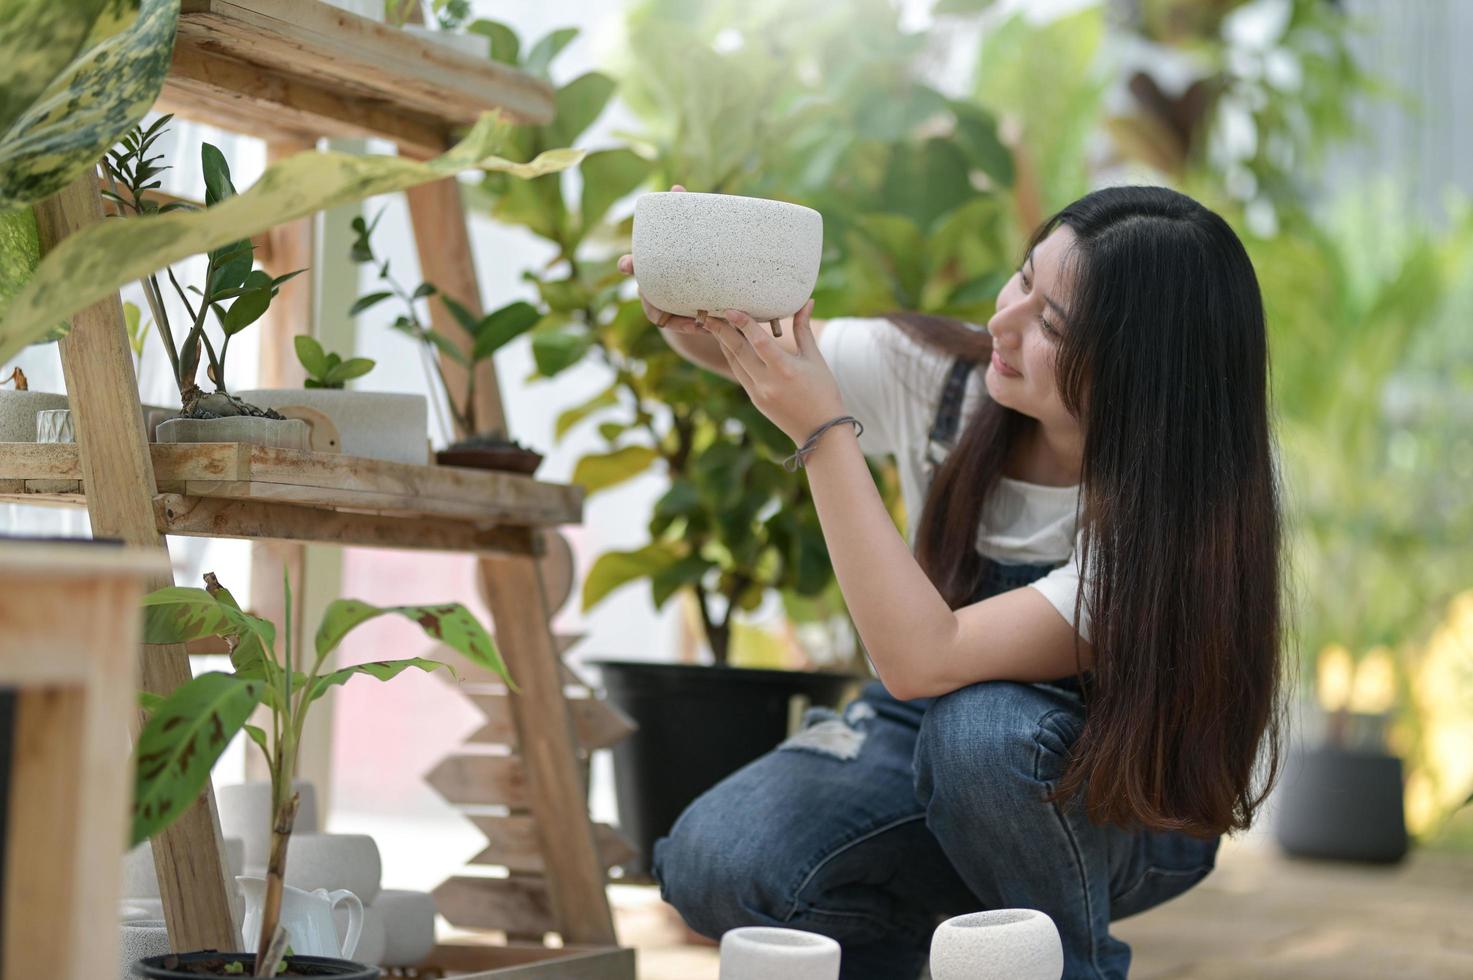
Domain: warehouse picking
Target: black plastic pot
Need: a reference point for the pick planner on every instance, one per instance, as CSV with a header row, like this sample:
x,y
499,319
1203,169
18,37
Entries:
x,y
1342,805
154,968
696,725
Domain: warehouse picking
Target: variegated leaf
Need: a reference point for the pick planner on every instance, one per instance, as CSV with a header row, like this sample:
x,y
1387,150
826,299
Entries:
x,y
381,669
451,623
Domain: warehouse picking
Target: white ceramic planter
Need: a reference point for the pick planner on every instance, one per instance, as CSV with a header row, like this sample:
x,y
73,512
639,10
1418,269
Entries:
x,y
767,953
139,938
717,252
245,812
250,429
333,861
1006,944
373,424
55,425
474,45
18,413
409,926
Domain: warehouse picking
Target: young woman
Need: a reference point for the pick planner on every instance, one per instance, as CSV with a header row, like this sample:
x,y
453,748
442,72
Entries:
x,y
1079,662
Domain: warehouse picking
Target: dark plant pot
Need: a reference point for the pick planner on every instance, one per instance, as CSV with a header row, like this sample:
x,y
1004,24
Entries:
x,y
697,725
1343,805
154,968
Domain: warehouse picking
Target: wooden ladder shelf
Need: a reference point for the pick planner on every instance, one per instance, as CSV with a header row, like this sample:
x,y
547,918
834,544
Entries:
x,y
291,71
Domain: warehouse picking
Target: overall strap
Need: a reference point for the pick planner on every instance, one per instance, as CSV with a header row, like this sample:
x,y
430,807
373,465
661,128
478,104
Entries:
x,y
948,413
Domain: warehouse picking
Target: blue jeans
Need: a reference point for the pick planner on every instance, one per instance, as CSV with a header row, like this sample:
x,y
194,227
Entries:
x,y
872,826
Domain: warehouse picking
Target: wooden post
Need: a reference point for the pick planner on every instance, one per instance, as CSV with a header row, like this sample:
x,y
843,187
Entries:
x,y
118,473
444,245
67,659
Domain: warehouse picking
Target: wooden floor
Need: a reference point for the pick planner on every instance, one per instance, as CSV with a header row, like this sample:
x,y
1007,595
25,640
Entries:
x,y
1258,915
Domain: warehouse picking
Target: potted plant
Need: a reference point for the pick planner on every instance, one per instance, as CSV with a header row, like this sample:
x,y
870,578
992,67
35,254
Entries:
x,y
235,291
188,730
488,334
19,406
374,424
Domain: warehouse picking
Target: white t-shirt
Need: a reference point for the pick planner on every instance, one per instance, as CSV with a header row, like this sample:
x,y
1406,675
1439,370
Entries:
x,y
892,384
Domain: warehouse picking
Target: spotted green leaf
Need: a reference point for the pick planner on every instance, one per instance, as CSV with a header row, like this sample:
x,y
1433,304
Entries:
x,y
452,624
380,669
96,261
184,737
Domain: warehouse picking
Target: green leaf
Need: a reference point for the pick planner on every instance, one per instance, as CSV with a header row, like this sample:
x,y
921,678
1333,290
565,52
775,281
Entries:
x,y
601,471
58,134
667,581
95,261
232,266
617,568
559,349
451,624
424,289
468,321
446,346
504,44
246,310
137,329
258,736
364,302
545,50
609,175
380,669
178,614
576,105
183,738
945,8
976,133
217,175
503,326
311,355
607,398
353,367
20,252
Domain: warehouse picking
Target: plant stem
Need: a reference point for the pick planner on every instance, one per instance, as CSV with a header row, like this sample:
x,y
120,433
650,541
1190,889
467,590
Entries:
x,y
284,815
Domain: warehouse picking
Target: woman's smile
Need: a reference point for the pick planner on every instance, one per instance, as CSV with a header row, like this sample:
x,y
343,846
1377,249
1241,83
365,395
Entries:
x,y
1003,367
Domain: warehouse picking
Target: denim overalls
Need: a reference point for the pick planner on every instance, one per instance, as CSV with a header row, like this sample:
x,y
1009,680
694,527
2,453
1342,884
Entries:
x,y
872,826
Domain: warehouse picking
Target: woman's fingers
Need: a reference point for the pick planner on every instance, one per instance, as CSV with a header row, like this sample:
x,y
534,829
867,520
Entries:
x,y
666,320
626,264
803,329
736,344
760,341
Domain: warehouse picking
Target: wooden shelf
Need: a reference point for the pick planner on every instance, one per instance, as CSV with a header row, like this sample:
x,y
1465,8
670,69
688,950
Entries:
x,y
236,490
299,69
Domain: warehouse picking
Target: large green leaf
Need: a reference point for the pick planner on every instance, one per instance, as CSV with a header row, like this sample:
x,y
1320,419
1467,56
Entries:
x,y
381,669
607,398
607,176
82,112
179,745
38,39
577,104
97,260
179,614
616,568
452,624
501,327
594,473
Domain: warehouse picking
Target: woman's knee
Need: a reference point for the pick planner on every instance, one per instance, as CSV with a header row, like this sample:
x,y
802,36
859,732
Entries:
x,y
991,742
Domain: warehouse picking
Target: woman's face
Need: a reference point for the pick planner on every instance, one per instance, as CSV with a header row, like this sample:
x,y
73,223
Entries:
x,y
1026,330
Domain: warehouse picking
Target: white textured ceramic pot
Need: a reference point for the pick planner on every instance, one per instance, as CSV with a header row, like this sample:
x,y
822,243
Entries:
x,y
55,425
138,938
475,45
245,812
250,429
1005,944
374,424
333,861
18,413
766,953
719,252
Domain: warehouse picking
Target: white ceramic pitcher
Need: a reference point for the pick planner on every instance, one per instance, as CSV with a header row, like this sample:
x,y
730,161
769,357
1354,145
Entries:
x,y
306,916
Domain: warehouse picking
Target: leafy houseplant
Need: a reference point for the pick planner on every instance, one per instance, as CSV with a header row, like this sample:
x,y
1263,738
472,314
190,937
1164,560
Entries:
x,y
230,275
325,369
187,731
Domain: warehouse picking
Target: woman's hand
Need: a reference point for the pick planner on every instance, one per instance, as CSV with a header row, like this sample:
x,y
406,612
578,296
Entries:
x,y
795,389
661,318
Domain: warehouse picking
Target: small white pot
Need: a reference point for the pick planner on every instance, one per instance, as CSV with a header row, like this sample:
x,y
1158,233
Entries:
x,y
717,252
250,429
140,938
768,953
18,410
245,812
1016,944
409,926
333,861
372,424
475,45
55,425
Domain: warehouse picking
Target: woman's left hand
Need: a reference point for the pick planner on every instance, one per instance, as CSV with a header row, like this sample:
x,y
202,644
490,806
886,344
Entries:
x,y
795,389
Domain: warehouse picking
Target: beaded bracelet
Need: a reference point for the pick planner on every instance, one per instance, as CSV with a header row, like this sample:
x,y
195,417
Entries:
x,y
799,458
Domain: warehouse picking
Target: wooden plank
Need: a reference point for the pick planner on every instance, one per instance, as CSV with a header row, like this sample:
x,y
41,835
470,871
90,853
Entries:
x,y
445,259
512,844
113,448
598,723
554,777
241,97
344,52
485,961
518,905
205,517
492,780
290,315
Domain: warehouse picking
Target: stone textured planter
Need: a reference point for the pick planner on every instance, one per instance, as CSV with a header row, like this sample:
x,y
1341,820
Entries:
x,y
373,424
250,429
716,252
768,953
1020,944
18,413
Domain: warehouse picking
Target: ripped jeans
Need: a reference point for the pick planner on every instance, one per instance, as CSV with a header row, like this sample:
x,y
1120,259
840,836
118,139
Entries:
x,y
873,826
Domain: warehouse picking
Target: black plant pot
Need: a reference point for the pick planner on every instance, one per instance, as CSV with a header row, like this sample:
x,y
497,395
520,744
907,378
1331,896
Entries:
x,y
166,967
696,725
1342,805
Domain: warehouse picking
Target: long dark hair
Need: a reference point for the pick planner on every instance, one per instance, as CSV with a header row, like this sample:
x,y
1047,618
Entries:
x,y
1164,361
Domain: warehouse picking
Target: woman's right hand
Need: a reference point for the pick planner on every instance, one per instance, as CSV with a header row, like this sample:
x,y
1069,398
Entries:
x,y
661,318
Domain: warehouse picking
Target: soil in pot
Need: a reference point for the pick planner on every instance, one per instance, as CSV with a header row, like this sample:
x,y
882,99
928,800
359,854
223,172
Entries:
x,y
489,453
182,966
